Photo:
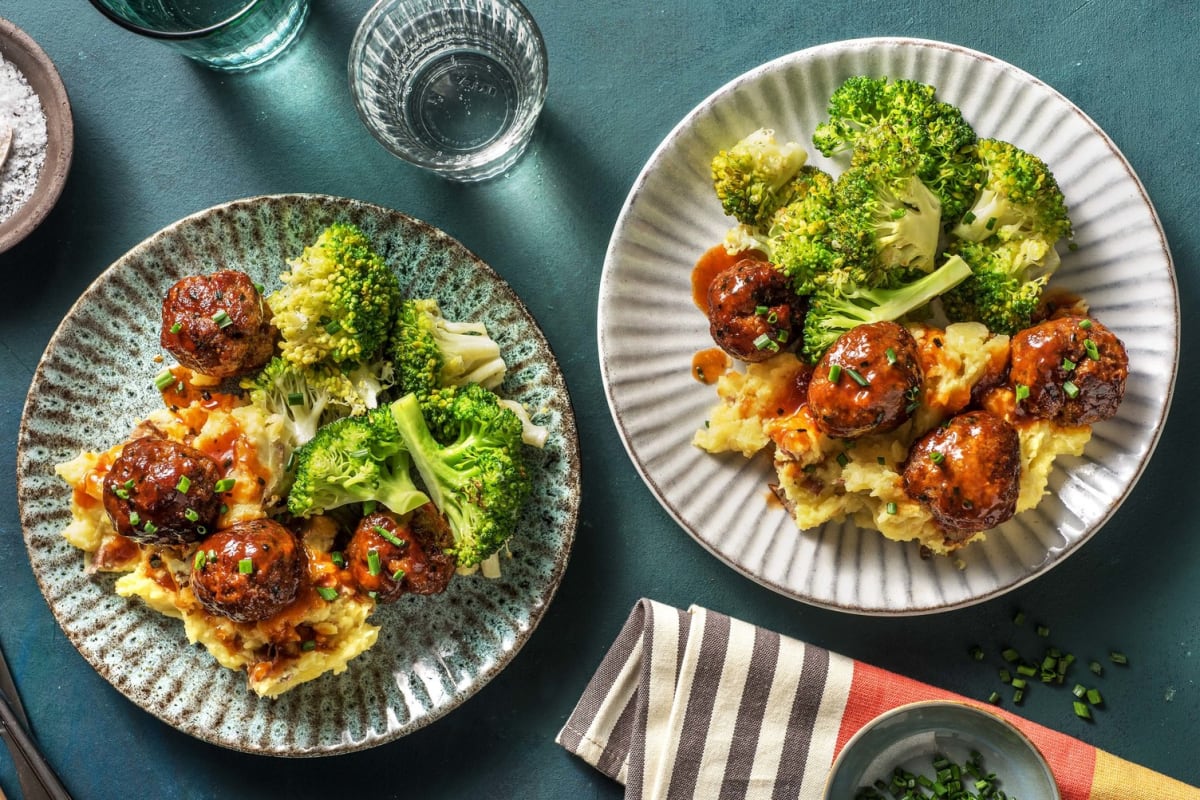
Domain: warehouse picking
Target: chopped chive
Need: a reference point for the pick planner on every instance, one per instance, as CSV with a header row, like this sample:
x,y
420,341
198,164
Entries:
x,y
1096,667
1009,654
891,355
765,342
149,527
1086,324
1080,690
880,460
969,217
1022,392
391,537
835,372
1118,657
857,377
246,566
1026,670
295,398
1043,631
843,459
327,593
177,327
224,485
891,507
936,457
121,492
332,327
337,558
200,560
191,515
1005,676
1081,710
258,287
994,698
308,645
373,565
1068,364
1019,617
200,529
1093,697
761,310
1019,683
163,379
184,484
991,223
1018,696
222,319
135,519
1093,351
1070,389
398,575
369,506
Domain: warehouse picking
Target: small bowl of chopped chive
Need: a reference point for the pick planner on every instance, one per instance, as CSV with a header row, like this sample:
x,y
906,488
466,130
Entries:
x,y
36,135
940,749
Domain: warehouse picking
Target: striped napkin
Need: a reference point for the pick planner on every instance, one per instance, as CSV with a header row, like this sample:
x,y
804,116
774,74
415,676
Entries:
x,y
696,704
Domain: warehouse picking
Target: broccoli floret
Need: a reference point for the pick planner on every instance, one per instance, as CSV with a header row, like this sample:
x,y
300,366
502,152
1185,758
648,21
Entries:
x,y
430,351
337,300
885,208
354,460
1019,198
1006,284
753,178
835,309
469,458
305,397
873,117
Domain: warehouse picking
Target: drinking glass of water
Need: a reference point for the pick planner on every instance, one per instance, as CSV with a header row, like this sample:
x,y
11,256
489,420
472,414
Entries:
x,y
228,35
453,86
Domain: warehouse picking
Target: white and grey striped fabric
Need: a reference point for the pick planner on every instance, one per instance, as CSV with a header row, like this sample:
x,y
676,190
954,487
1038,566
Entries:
x,y
699,705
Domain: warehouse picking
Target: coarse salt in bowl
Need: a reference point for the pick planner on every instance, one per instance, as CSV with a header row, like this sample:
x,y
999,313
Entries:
x,y
36,135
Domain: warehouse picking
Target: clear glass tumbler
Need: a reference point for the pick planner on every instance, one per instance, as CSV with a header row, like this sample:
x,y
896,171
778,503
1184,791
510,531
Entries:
x,y
227,35
452,86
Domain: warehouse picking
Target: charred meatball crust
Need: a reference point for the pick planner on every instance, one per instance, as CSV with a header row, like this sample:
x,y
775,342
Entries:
x,y
1073,367
161,492
409,555
752,311
966,473
217,324
250,571
867,382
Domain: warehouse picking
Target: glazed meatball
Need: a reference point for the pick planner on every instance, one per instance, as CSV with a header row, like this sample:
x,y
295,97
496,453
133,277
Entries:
x,y
1073,367
866,382
752,310
217,324
966,473
250,571
391,557
162,492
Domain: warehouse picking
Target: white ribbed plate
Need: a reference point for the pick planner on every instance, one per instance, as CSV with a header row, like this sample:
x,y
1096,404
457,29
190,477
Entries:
x,y
649,329
95,381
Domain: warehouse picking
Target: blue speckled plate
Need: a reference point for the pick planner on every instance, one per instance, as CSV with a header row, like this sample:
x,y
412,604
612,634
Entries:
x,y
96,380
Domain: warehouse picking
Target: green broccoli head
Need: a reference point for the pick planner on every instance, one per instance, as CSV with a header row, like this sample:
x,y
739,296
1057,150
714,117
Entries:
x,y
884,208
835,309
873,118
305,397
337,300
469,458
430,351
1006,283
354,460
753,178
799,241
1019,198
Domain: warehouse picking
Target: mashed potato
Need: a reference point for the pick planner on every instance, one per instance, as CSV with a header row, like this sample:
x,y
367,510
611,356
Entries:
x,y
311,636
822,479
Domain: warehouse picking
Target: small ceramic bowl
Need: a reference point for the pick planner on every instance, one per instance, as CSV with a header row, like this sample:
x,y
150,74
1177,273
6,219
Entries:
x,y
32,62
910,736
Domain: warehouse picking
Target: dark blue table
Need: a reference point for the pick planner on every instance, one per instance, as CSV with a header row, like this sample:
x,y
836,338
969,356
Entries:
x,y
158,138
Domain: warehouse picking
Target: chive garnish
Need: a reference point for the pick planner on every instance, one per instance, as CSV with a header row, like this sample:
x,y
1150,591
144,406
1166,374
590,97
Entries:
x,y
891,355
373,565
1092,350
1022,392
200,560
163,379
891,507
184,484
177,327
225,484
149,527
295,398
246,566
936,457
121,492
1086,324
835,372
391,537
1068,364
222,319
332,327
135,519
1118,658
1081,710
1070,389
190,514
308,645
857,377
761,310
327,593
398,575
842,459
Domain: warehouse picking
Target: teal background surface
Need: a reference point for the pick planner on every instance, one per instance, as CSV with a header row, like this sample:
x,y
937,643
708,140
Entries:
x,y
158,138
